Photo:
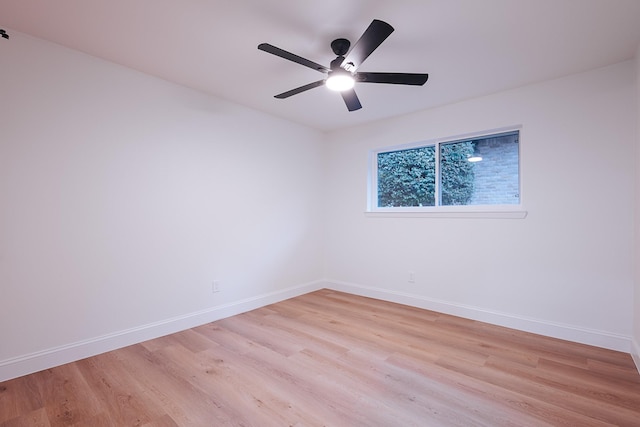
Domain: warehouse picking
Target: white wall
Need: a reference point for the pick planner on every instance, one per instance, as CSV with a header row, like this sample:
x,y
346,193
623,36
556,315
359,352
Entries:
x,y
565,270
123,196
635,351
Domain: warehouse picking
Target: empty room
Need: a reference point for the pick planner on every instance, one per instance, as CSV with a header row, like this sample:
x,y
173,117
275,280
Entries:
x,y
320,213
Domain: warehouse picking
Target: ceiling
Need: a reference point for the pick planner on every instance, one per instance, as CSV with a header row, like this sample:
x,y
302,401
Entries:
x,y
469,48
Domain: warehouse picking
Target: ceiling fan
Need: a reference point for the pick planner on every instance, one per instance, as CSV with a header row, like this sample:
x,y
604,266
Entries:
x,y
342,72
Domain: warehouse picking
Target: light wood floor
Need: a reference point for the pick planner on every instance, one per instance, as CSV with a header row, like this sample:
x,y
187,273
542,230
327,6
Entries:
x,y
333,359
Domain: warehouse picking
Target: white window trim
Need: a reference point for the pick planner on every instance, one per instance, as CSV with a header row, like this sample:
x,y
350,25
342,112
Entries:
x,y
516,211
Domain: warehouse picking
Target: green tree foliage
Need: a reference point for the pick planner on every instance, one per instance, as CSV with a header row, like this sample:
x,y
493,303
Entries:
x,y
457,173
408,177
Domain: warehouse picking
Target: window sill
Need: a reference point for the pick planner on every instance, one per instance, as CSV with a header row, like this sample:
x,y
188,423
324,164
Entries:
x,y
497,214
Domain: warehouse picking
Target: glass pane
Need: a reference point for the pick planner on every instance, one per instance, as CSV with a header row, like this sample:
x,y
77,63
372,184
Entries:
x,y
407,177
456,173
483,171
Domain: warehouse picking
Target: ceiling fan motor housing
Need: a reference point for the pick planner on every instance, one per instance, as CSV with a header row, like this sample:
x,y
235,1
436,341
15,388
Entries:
x,y
340,46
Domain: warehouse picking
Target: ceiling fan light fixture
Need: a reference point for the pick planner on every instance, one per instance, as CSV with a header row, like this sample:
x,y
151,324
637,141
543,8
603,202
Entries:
x,y
340,81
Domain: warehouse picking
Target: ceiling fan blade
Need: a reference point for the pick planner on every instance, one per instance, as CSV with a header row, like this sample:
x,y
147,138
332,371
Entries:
x,y
415,79
266,47
372,37
351,99
300,89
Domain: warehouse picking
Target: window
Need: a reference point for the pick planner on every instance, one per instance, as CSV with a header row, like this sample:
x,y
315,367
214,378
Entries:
x,y
472,171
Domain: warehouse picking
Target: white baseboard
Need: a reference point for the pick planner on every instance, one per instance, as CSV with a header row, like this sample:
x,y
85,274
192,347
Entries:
x,y
635,353
45,359
34,362
551,329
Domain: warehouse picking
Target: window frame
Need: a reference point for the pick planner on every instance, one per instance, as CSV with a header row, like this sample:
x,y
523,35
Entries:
x,y
512,211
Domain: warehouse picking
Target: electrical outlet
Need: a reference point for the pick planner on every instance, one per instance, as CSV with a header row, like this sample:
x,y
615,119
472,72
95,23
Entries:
x,y
412,277
215,286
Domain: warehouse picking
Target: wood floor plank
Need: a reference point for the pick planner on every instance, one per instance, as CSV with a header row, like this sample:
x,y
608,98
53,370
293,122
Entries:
x,y
37,418
334,359
506,406
170,388
67,396
116,393
542,391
